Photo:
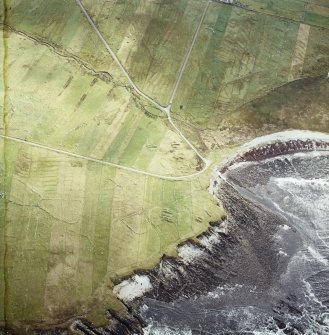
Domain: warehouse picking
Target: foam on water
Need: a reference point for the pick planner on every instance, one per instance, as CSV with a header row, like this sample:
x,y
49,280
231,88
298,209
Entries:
x,y
289,157
153,329
189,253
132,288
288,135
295,300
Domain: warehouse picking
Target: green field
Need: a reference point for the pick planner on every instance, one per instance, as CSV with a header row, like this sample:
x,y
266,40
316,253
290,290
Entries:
x,y
304,11
72,223
150,38
240,57
71,109
67,221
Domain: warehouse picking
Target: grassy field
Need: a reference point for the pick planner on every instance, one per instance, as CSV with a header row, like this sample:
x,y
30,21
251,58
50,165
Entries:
x,y
240,56
151,38
71,109
309,12
70,226
67,221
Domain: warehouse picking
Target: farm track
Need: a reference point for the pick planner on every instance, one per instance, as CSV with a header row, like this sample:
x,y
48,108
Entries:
x,y
187,57
164,109
95,160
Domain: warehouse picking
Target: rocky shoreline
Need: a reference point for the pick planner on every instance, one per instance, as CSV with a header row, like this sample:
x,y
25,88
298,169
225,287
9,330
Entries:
x,y
220,258
279,148
248,236
231,252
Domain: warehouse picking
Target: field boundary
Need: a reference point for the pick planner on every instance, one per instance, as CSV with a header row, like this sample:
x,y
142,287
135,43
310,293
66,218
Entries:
x,y
164,109
99,161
